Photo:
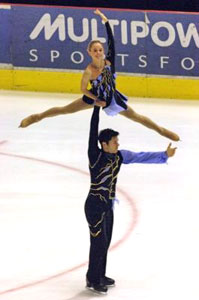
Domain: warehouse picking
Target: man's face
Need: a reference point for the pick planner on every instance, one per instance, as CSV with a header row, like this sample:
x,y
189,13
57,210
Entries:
x,y
112,146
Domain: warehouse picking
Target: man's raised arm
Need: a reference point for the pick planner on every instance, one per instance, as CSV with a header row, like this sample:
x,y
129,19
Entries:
x,y
93,149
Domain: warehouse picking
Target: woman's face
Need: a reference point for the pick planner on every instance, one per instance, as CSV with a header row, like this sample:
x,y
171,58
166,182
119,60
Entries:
x,y
96,51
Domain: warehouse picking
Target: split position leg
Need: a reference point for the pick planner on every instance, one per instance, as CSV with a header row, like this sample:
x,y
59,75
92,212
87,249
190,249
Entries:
x,y
73,107
132,115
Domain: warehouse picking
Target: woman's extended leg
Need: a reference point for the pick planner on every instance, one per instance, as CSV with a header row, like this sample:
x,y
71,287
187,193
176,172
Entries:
x,y
73,107
132,115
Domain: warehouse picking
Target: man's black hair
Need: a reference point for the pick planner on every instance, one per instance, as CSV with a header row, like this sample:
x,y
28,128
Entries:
x,y
106,135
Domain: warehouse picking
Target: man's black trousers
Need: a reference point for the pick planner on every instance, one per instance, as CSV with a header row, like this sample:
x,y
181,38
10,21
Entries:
x,y
101,226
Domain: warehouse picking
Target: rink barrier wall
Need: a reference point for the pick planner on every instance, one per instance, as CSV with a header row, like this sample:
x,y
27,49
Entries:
x,y
43,48
63,82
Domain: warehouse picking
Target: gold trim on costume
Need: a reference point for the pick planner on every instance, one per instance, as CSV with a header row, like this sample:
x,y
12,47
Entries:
x,y
105,169
96,161
102,198
103,179
100,221
95,234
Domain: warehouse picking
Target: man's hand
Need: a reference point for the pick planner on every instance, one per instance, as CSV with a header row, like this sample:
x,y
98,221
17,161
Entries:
x,y
99,13
171,151
100,103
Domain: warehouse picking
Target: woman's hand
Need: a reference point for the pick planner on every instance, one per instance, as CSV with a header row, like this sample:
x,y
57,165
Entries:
x,y
99,13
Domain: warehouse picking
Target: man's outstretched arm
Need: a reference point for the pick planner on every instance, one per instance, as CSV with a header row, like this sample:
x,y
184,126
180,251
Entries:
x,y
130,157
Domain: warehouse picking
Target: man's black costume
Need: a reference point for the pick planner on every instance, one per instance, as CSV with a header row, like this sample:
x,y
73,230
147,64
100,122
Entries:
x,y
104,168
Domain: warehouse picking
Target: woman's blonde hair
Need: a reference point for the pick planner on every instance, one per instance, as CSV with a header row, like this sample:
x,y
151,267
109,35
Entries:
x,y
92,43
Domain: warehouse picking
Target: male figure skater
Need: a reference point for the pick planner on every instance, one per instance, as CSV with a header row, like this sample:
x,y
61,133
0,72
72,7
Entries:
x,y
104,165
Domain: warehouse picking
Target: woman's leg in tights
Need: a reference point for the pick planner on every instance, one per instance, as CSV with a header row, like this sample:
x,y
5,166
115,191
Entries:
x,y
73,107
132,115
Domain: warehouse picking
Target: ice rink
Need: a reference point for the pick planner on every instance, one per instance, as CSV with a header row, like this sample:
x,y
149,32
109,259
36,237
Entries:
x,y
44,238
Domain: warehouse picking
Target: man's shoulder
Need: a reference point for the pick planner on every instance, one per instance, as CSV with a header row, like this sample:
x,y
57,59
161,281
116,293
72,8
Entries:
x,y
119,154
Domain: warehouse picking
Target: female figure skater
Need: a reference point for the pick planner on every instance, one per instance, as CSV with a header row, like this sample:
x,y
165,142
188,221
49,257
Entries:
x,y
101,74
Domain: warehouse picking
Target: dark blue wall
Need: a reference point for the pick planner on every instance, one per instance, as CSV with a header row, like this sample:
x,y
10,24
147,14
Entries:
x,y
175,5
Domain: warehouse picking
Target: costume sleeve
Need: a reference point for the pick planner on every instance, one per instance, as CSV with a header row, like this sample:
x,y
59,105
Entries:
x,y
93,149
111,46
130,157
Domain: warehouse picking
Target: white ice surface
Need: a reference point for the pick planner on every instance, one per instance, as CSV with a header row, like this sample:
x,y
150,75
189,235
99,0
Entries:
x,y
44,182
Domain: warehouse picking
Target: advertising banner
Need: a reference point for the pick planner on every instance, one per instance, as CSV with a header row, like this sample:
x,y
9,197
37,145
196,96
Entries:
x,y
156,43
5,35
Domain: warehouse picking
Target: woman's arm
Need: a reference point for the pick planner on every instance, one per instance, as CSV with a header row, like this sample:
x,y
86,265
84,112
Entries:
x,y
111,47
99,13
84,84
111,44
84,88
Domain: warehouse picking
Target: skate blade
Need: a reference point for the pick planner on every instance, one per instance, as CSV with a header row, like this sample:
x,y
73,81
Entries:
x,y
94,291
